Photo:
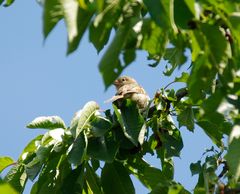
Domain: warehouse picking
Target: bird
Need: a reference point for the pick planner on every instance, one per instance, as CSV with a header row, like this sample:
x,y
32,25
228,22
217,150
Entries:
x,y
128,88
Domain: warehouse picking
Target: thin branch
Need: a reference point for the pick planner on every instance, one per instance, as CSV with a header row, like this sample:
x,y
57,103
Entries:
x,y
169,84
224,170
179,96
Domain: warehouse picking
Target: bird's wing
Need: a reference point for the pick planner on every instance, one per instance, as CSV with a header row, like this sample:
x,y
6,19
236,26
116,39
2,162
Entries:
x,y
129,88
114,98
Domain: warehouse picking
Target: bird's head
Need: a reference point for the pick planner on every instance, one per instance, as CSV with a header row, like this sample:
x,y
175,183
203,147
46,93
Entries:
x,y
123,80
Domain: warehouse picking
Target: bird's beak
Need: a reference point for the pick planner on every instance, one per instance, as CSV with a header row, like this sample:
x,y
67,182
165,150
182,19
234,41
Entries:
x,y
116,82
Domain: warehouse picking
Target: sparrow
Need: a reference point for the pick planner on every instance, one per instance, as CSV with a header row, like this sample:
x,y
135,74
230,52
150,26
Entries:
x,y
128,88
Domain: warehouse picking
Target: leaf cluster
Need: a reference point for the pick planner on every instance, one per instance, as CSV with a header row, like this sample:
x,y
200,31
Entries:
x,y
97,154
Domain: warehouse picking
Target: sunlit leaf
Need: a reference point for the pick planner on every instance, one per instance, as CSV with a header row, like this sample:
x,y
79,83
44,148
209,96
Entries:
x,y
49,122
7,2
17,177
161,13
52,175
177,189
5,162
102,25
52,14
154,40
82,117
183,78
77,21
31,147
6,188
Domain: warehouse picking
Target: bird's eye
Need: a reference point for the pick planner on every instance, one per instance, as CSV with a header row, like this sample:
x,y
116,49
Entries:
x,y
123,79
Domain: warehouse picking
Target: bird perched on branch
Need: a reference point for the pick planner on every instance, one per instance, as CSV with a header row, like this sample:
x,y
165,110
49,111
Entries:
x,y
128,88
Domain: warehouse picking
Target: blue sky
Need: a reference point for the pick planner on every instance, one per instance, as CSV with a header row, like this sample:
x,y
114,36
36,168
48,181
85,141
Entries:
x,y
38,79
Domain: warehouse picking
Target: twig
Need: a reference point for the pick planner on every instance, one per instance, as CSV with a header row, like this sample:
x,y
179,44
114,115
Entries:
x,y
179,96
224,170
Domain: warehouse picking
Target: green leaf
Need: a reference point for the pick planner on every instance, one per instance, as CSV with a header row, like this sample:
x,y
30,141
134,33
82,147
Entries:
x,y
170,188
115,179
160,188
186,118
52,14
72,183
50,122
7,2
216,43
148,175
167,167
183,78
101,27
196,168
186,7
122,140
30,148
153,176
161,12
52,175
100,126
6,188
33,168
43,152
176,57
213,131
233,154
17,177
5,162
177,189
200,187
93,180
201,78
132,120
77,151
129,56
173,143
234,20
77,21
95,164
102,148
82,117
154,40
110,66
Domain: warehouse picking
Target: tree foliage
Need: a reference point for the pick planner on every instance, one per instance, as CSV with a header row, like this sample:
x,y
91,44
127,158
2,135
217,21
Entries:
x,y
99,151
